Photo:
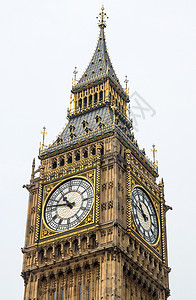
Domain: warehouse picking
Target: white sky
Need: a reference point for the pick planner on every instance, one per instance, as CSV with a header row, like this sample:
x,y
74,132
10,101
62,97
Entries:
x,y
154,43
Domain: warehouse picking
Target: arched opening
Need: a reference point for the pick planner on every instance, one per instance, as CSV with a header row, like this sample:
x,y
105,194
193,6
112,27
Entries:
x,y
77,156
49,253
58,250
90,100
62,161
69,159
41,255
101,96
84,243
95,98
66,247
85,102
75,245
80,103
54,164
93,150
93,240
102,150
85,153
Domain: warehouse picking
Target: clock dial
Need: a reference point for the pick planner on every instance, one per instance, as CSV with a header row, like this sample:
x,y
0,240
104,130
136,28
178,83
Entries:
x,y
144,215
69,204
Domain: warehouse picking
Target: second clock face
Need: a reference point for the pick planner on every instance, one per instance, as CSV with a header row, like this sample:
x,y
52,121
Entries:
x,y
144,215
69,204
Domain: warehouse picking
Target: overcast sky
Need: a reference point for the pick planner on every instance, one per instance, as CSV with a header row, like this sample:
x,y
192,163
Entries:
x,y
154,43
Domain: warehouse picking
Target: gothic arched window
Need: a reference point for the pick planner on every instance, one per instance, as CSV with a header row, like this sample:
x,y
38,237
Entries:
x,y
101,96
102,150
54,164
93,150
62,161
90,100
95,98
77,156
85,102
80,103
85,153
69,158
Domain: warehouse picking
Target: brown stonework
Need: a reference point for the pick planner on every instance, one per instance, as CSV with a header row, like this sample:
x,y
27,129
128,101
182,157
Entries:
x,y
104,256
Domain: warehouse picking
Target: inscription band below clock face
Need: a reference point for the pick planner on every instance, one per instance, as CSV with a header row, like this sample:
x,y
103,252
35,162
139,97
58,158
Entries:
x,y
144,216
69,204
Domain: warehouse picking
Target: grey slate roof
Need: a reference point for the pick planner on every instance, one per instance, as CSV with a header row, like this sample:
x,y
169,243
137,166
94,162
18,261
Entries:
x,y
90,118
101,60
106,116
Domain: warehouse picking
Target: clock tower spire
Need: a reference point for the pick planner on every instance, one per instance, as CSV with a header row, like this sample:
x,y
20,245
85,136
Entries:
x,y
96,224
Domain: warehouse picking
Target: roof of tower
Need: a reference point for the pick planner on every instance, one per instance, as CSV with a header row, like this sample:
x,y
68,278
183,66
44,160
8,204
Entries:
x,y
100,65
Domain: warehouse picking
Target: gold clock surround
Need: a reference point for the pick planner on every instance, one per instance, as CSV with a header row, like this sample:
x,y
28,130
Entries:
x,y
156,207
157,248
89,222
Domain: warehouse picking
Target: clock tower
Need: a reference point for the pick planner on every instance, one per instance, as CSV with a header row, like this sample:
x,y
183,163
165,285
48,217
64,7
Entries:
x,y
96,221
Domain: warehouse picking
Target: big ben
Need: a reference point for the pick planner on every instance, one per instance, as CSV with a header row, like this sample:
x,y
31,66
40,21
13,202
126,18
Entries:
x,y
96,221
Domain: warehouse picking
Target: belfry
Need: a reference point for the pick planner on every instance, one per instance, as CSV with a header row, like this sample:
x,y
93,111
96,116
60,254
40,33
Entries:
x,y
96,221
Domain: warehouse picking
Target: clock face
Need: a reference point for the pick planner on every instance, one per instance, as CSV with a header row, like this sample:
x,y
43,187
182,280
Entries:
x,y
144,215
69,204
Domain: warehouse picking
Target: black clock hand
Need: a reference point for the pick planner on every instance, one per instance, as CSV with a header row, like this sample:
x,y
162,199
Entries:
x,y
142,212
63,204
140,209
69,204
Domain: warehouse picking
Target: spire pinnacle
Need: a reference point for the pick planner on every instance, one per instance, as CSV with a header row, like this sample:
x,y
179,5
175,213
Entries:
x,y
154,152
102,18
44,135
126,84
75,72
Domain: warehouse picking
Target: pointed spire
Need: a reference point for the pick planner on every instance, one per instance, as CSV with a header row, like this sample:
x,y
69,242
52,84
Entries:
x,y
100,65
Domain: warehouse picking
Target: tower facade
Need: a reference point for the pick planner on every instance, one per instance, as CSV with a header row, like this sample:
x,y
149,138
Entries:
x,y
96,225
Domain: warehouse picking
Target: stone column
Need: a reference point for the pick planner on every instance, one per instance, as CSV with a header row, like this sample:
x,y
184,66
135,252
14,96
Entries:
x,y
128,160
98,182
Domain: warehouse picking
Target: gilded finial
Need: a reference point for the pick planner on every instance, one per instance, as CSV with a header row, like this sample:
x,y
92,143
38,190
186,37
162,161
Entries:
x,y
154,153
44,135
75,72
102,18
126,84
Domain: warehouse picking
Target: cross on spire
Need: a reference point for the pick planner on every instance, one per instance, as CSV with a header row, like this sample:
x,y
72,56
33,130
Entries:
x,y
126,83
44,135
102,18
154,153
75,72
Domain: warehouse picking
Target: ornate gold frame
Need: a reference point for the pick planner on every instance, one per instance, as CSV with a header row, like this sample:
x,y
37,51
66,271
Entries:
x,y
155,248
157,215
43,232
